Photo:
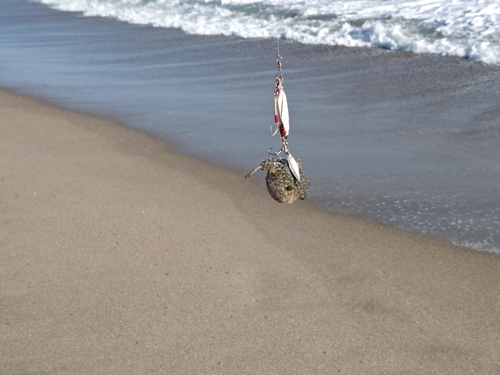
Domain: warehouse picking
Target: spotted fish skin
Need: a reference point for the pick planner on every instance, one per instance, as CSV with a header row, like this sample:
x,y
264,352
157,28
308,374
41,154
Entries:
x,y
281,184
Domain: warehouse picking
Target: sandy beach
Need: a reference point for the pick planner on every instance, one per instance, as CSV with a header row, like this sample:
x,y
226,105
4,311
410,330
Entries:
x,y
119,256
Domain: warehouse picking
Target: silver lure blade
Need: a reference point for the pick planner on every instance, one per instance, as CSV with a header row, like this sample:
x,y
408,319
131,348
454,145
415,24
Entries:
x,y
294,167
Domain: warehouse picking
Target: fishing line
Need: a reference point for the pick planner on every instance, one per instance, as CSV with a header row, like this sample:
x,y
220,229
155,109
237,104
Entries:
x,y
277,31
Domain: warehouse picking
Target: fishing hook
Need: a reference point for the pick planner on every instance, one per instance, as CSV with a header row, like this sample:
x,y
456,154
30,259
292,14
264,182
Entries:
x,y
274,153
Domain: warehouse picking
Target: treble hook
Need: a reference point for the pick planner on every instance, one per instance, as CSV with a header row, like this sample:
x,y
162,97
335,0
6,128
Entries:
x,y
273,133
274,153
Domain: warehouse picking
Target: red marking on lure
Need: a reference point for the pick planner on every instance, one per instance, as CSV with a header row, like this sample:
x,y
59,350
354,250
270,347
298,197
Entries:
x,y
282,131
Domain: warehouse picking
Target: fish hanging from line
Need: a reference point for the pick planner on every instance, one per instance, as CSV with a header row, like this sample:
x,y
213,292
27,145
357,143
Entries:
x,y
282,185
285,179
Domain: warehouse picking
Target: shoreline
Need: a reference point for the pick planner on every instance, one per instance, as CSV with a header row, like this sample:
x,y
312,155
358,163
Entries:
x,y
170,147
398,137
121,256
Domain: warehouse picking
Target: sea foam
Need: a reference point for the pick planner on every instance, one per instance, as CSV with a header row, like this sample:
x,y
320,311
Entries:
x,y
465,28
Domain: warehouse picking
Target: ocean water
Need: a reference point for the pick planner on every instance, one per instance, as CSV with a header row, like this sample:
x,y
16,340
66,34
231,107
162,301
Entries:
x,y
404,131
466,28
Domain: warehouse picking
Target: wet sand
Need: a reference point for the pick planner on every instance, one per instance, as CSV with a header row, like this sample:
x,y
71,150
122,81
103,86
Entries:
x,y
119,256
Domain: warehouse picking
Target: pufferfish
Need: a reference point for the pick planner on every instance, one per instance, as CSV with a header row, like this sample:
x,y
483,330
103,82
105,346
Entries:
x,y
281,183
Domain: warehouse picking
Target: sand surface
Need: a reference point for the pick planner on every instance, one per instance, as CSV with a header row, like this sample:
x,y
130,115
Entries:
x,y
119,256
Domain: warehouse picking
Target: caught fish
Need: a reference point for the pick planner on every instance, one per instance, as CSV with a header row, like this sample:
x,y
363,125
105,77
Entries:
x,y
282,185
285,179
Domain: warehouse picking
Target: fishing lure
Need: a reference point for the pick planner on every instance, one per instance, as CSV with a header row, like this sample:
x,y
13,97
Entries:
x,y
285,179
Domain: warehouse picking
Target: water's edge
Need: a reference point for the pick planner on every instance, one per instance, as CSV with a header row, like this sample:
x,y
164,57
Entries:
x,y
409,140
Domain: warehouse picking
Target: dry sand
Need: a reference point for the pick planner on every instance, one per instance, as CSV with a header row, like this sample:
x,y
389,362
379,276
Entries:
x,y
119,256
